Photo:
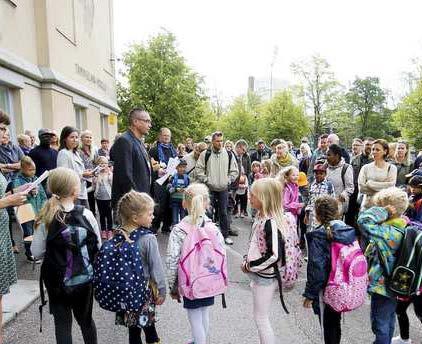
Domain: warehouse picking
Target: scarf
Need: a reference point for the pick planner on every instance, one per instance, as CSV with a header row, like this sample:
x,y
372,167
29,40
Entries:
x,y
161,156
287,160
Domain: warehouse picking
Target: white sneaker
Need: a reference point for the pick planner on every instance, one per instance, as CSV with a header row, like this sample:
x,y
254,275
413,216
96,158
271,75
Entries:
x,y
228,241
398,340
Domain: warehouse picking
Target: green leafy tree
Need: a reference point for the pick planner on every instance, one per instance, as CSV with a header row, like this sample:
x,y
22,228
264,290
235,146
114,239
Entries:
x,y
408,116
160,81
282,118
366,101
240,121
320,89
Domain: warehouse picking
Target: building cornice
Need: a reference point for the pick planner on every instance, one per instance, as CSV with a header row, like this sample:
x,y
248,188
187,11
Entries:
x,y
46,75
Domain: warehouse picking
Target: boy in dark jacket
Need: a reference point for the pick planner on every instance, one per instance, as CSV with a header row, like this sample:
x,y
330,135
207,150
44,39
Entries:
x,y
319,262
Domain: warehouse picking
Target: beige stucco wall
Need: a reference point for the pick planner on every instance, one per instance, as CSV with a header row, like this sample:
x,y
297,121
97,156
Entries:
x,y
55,54
17,29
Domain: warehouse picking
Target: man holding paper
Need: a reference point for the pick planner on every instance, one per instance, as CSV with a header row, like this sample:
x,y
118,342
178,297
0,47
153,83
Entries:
x,y
161,154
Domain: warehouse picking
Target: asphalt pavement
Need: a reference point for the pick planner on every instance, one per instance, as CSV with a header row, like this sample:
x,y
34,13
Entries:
x,y
233,325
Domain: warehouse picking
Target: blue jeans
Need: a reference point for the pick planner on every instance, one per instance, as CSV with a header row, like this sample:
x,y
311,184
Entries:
x,y
177,212
220,201
383,318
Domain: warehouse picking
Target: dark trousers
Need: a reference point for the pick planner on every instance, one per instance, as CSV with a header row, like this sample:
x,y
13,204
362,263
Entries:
x,y
177,211
106,218
11,214
161,210
91,198
80,304
383,318
332,326
28,230
352,212
402,315
151,335
242,201
219,201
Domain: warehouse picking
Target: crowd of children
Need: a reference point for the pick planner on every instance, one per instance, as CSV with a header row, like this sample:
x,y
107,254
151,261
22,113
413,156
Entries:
x,y
282,205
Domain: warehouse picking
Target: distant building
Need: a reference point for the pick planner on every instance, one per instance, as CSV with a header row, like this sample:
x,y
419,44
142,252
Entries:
x,y
262,86
57,65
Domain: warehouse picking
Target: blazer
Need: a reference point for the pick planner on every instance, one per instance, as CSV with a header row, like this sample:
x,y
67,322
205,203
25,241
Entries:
x,y
72,160
132,167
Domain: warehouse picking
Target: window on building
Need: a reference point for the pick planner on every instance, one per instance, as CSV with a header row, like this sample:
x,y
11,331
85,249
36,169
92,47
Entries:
x,y
7,106
80,115
104,126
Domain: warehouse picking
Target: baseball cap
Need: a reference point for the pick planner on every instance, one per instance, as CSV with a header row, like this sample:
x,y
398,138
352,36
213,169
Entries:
x,y
320,167
45,131
417,172
302,180
416,181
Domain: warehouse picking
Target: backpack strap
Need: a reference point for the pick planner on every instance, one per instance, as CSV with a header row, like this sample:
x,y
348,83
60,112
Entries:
x,y
280,287
207,157
343,173
43,301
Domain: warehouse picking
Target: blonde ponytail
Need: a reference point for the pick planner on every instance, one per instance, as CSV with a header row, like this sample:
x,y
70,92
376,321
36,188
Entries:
x,y
196,200
62,183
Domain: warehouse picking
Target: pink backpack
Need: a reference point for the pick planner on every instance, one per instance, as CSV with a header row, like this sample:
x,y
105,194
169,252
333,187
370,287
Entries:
x,y
348,280
202,268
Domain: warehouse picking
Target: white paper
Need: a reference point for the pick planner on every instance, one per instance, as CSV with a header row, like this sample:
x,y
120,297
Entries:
x,y
31,186
171,168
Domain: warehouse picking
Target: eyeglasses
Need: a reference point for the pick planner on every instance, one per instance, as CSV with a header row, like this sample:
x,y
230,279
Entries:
x,y
148,121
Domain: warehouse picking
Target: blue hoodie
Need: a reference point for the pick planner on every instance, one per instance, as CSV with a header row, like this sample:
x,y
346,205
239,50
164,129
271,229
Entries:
x,y
319,257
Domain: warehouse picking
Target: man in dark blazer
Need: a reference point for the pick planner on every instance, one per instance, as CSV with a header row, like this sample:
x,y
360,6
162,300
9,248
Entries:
x,y
132,165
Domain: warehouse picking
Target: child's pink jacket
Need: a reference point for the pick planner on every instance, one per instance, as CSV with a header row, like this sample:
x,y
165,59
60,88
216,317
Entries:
x,y
291,198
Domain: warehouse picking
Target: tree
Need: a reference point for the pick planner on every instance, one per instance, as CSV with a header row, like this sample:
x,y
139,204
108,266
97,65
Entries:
x,y
366,100
408,116
240,121
160,81
320,88
282,118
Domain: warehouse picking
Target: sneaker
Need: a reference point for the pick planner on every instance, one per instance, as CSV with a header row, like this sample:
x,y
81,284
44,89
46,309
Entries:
x,y
228,241
398,340
233,232
31,259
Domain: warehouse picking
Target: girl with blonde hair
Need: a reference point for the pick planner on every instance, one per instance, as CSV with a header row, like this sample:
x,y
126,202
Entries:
x,y
270,248
58,228
196,202
136,212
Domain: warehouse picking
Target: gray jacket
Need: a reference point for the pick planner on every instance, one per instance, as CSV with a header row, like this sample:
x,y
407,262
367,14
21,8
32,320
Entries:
x,y
217,175
151,262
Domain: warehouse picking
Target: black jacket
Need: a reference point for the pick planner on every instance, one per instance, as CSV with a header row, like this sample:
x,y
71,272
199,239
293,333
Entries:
x,y
258,155
132,167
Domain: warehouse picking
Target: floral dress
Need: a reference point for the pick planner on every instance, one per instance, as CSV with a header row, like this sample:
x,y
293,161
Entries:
x,y
7,260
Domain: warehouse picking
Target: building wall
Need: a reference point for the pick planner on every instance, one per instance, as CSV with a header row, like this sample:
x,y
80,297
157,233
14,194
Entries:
x,y
56,56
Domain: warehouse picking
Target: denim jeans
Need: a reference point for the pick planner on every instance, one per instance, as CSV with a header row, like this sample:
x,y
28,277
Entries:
x,y
219,201
383,318
177,212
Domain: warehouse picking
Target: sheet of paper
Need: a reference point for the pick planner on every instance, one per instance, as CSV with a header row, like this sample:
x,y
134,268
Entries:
x,y
171,168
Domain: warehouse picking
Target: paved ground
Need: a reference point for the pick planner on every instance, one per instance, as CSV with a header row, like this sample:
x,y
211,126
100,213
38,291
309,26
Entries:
x,y
233,325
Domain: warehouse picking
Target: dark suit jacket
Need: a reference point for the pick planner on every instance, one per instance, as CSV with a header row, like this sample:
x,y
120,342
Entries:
x,y
132,168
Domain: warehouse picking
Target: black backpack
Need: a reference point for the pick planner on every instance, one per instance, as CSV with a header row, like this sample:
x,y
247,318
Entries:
x,y
406,278
71,248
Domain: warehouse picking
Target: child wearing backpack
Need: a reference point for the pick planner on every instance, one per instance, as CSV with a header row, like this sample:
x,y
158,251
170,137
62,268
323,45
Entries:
x,y
135,211
289,178
177,186
61,227
414,213
383,226
326,244
182,262
102,183
267,252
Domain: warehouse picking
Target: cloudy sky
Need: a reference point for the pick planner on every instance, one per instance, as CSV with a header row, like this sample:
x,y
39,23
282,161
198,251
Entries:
x,y
227,41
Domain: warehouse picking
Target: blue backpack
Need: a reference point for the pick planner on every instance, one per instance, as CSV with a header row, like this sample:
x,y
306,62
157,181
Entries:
x,y
119,283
